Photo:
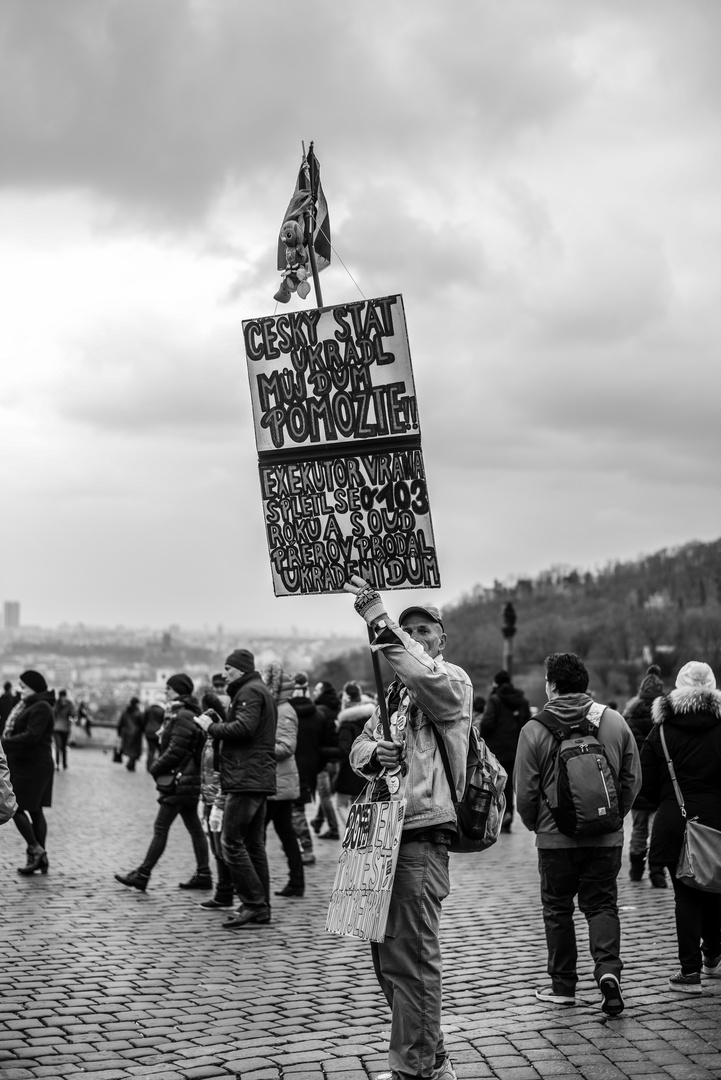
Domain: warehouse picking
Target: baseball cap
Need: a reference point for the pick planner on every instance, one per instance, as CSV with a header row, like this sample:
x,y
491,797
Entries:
x,y
432,613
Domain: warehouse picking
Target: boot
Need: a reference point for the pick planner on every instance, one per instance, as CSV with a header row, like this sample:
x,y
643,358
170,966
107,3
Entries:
x,y
36,860
657,875
136,879
637,864
221,899
201,879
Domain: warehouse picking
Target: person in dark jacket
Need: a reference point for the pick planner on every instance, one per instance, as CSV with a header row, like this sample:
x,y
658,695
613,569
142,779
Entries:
x,y
316,747
152,723
506,711
64,715
130,732
637,714
8,700
691,720
247,778
280,805
28,743
328,703
180,752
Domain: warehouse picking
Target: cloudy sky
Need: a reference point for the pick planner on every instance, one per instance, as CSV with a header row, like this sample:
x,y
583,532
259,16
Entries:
x,y
539,180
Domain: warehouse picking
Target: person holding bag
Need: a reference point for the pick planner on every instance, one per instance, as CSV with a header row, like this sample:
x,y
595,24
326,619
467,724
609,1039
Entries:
x,y
176,771
690,718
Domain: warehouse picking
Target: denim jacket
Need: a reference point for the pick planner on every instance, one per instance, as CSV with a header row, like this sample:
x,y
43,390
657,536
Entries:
x,y
435,689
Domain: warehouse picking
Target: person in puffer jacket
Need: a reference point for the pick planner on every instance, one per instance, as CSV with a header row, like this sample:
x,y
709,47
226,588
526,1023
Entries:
x,y
280,806
637,714
181,748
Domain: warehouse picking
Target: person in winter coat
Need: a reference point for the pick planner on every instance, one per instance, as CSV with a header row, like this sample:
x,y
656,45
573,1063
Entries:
x,y
130,732
64,713
181,748
637,714
28,743
356,709
316,747
214,803
691,720
8,700
280,805
328,703
247,777
506,711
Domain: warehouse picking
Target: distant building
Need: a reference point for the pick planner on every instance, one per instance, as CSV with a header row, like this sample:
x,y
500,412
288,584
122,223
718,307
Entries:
x,y
12,614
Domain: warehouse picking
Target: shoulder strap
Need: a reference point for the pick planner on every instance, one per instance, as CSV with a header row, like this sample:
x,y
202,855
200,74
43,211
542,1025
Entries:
x,y
445,759
672,772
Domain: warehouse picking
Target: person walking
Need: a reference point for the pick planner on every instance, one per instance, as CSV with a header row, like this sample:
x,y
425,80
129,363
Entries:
x,y
181,747
356,710
247,777
505,713
214,804
8,700
584,866
637,714
328,703
280,805
408,962
690,720
28,743
130,733
316,747
63,718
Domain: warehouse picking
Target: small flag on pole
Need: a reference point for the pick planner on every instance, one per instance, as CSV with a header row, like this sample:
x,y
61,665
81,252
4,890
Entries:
x,y
307,215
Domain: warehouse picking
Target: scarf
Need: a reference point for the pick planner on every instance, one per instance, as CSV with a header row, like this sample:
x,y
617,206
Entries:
x,y
13,718
569,706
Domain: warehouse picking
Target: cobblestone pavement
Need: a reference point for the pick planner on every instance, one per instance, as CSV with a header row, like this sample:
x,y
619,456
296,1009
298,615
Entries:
x,y
105,982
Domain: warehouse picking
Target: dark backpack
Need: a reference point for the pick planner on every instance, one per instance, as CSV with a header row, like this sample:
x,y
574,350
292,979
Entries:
x,y
479,814
587,792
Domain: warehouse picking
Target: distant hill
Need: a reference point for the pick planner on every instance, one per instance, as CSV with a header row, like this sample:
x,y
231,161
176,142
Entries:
x,y
664,607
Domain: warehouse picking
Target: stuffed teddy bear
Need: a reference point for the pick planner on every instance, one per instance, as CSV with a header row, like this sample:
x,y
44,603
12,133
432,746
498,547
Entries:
x,y
295,275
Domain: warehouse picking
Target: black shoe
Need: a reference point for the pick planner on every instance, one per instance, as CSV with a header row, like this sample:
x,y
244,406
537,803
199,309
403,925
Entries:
x,y
248,917
136,879
217,902
610,988
200,880
330,835
316,825
37,860
290,890
657,877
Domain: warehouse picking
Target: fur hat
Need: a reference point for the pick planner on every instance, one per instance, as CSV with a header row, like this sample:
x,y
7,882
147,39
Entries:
x,y
301,685
34,681
181,684
651,684
693,676
242,660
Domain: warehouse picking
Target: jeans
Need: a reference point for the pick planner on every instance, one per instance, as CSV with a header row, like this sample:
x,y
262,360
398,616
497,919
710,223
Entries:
x,y
642,821
243,847
300,825
224,885
326,810
280,812
167,813
698,924
589,873
408,963
60,739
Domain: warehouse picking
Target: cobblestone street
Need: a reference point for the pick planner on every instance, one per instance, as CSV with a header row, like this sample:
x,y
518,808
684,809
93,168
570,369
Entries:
x,y
105,982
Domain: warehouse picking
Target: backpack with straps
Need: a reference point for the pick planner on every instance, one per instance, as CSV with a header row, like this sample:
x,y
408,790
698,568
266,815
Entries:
x,y
479,814
585,784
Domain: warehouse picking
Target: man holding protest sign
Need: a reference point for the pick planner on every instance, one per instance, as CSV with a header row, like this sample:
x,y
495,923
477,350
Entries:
x,y
408,962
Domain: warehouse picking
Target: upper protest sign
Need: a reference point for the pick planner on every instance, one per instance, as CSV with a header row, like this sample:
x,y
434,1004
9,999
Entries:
x,y
331,375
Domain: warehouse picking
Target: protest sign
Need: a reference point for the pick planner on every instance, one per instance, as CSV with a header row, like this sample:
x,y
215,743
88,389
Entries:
x,y
363,882
340,463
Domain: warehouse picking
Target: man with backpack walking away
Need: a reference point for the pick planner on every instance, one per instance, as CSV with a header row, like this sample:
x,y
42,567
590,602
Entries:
x,y
426,691
506,711
576,776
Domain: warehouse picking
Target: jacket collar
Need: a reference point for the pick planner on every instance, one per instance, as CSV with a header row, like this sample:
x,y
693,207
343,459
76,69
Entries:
x,y
234,687
688,708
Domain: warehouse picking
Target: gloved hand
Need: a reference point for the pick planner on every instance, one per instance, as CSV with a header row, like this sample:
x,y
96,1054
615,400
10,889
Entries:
x,y
367,603
203,721
215,819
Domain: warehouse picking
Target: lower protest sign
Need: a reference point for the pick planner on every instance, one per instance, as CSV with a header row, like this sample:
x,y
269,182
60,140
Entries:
x,y
364,879
356,512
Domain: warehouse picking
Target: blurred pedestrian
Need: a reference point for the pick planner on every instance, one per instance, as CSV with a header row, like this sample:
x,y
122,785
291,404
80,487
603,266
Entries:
x,y
214,802
316,746
64,714
506,711
280,805
690,719
479,706
181,748
637,713
8,700
130,733
328,703
28,743
356,709
151,725
247,777
84,718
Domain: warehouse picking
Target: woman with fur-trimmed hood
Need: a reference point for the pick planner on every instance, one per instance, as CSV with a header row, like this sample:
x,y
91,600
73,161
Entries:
x,y
691,718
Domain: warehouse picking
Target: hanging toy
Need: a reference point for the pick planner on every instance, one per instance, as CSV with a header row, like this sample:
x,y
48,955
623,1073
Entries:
x,y
294,276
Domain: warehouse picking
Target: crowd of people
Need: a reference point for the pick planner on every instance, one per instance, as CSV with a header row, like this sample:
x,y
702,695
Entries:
x,y
258,747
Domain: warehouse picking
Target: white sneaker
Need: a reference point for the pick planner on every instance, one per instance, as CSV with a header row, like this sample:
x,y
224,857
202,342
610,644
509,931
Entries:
x,y
444,1071
712,968
548,994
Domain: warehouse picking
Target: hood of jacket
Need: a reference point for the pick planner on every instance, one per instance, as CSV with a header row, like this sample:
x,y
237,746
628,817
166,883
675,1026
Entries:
x,y
689,709
510,695
190,703
569,708
34,699
356,714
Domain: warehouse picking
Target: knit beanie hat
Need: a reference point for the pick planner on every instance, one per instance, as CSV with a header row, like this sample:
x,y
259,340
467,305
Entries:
x,y
651,684
182,684
34,681
301,685
693,676
242,660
